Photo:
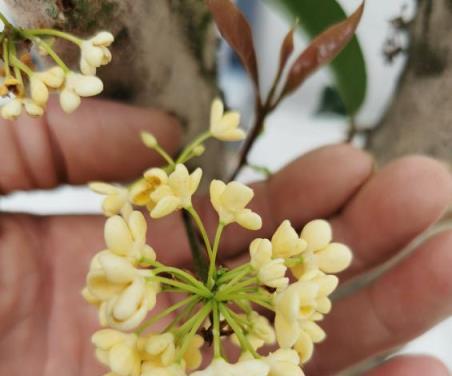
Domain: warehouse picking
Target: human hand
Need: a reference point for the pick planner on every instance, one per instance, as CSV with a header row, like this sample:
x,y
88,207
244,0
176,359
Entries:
x,y
44,324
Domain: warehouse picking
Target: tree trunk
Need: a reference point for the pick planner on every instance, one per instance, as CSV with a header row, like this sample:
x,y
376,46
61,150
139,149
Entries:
x,y
164,54
420,117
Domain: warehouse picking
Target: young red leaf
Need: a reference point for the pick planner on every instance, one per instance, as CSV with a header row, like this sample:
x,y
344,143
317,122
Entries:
x,y
322,50
236,30
287,48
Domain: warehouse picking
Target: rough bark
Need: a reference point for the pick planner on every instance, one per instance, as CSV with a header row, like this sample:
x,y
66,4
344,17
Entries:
x,y
164,54
420,117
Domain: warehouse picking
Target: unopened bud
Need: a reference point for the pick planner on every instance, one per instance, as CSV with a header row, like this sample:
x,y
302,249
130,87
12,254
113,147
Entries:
x,y
149,140
199,150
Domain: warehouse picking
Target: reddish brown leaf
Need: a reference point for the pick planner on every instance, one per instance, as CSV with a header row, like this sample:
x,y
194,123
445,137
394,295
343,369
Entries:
x,y
287,48
236,30
322,50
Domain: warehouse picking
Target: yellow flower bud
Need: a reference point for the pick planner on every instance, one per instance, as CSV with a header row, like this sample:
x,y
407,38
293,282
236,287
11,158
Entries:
x,y
224,126
286,242
317,234
230,201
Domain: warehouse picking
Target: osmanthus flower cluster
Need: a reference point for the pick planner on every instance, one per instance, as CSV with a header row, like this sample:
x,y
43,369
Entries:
x,y
23,86
290,276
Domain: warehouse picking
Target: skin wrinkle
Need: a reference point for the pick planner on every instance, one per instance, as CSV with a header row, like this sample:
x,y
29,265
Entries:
x,y
44,230
30,287
56,152
30,179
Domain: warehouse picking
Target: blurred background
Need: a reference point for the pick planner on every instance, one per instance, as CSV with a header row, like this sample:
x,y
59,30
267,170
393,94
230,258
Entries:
x,y
305,121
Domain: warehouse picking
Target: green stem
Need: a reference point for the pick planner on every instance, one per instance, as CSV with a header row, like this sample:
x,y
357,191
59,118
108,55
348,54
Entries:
x,y
186,312
199,260
6,57
213,259
164,155
183,329
5,21
255,299
244,343
182,286
48,49
238,272
55,33
202,229
181,274
165,313
198,141
216,331
195,324
228,293
18,65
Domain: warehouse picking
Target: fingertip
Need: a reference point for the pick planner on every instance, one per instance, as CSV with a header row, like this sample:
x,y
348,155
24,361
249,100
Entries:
x,y
411,365
319,183
101,140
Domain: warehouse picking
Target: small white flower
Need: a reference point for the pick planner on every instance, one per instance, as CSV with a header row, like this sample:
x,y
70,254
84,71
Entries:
x,y
273,274
120,290
116,199
270,272
224,126
286,243
176,193
219,367
38,90
141,191
127,238
95,52
321,254
118,351
76,86
53,77
13,109
284,362
230,202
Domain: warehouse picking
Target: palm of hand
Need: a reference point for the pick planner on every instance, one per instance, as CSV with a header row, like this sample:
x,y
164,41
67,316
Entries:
x,y
45,326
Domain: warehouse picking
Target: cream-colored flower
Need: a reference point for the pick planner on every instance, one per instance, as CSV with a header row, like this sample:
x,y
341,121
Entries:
x,y
286,243
259,333
321,254
230,202
149,369
260,253
193,355
76,86
141,191
159,350
301,301
176,193
284,362
219,367
273,274
38,90
95,52
225,126
52,77
116,199
270,272
127,238
118,351
13,109
121,290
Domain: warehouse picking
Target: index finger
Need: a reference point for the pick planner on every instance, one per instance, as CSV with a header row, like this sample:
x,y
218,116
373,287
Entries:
x,y
98,142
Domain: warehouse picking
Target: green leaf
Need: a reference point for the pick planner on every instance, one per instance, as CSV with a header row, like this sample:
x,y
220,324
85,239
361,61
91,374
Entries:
x,y
349,66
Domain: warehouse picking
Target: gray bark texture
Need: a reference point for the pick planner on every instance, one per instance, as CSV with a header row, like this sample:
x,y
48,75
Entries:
x,y
420,117
164,54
